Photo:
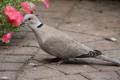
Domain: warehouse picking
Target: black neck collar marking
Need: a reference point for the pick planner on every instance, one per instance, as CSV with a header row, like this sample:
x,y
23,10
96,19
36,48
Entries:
x,y
40,25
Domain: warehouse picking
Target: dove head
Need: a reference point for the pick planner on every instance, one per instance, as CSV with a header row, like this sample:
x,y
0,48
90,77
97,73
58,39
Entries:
x,y
32,21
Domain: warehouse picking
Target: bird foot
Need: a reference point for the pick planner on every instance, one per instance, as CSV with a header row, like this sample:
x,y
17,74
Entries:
x,y
61,61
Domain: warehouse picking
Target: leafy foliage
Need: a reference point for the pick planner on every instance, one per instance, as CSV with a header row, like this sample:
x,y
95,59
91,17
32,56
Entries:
x,y
5,26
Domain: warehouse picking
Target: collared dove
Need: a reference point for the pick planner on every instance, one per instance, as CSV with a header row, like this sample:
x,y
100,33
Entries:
x,y
59,44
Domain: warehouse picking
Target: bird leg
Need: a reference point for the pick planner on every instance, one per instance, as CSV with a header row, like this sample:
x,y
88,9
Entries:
x,y
59,61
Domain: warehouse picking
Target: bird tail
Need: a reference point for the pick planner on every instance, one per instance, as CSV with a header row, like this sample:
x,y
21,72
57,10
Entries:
x,y
98,55
105,58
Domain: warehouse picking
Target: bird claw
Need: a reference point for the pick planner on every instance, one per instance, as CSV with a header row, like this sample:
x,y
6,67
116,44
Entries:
x,y
60,62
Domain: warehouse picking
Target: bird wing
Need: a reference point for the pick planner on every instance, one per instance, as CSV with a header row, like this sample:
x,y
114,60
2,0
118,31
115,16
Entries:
x,y
61,45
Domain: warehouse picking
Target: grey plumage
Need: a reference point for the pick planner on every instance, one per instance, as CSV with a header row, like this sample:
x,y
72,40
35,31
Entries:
x,y
59,44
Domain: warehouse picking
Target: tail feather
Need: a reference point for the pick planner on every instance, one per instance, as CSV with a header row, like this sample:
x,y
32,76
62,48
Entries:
x,y
98,55
105,58
93,53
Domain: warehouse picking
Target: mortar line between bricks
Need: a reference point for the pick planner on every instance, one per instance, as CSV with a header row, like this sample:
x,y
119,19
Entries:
x,y
5,70
118,74
59,76
30,46
20,46
56,70
22,68
99,70
83,33
87,34
11,54
67,14
25,63
85,76
89,65
11,62
111,50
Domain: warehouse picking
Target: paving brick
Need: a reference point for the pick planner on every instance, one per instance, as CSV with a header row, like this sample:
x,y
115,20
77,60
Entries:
x,y
85,20
52,22
69,77
89,28
74,27
60,7
102,45
102,33
72,68
17,50
106,68
10,66
39,73
102,76
93,61
83,37
52,15
24,39
13,58
103,22
9,75
118,72
113,53
24,35
25,43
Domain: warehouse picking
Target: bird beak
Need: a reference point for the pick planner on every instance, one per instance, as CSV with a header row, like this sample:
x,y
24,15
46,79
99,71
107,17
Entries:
x,y
23,22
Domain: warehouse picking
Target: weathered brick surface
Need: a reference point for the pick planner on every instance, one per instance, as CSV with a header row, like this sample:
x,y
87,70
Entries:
x,y
14,58
10,66
113,53
106,68
72,68
87,21
17,50
8,75
102,76
39,73
103,45
84,38
69,77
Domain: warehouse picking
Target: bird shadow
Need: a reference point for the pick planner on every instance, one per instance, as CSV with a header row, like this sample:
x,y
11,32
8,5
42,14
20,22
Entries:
x,y
78,61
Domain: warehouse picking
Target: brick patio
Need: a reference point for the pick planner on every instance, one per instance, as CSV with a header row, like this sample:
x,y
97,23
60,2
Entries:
x,y
86,21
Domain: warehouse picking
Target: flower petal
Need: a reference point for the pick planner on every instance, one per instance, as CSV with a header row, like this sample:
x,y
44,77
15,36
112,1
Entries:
x,y
7,37
14,17
46,3
26,7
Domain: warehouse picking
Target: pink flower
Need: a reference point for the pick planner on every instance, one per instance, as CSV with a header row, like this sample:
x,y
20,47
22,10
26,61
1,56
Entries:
x,y
7,37
14,17
9,10
26,7
46,3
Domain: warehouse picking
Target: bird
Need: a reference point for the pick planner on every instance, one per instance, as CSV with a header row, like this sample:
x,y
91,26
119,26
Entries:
x,y
59,44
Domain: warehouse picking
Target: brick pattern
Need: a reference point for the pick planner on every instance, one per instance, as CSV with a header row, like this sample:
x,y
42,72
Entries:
x,y
87,21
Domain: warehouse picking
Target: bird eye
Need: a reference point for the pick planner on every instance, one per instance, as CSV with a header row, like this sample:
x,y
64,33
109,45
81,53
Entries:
x,y
29,18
